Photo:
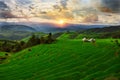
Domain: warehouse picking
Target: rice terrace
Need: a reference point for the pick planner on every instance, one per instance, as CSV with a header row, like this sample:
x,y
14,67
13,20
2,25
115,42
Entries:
x,y
54,40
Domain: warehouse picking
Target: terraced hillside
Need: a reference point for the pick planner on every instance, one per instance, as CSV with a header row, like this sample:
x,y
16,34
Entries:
x,y
64,60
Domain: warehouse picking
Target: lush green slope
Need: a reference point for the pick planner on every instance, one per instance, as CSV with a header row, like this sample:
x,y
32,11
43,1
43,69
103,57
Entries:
x,y
64,60
2,54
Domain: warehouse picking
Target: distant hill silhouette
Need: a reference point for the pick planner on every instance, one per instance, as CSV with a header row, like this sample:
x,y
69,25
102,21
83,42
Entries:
x,y
15,32
104,29
16,28
106,32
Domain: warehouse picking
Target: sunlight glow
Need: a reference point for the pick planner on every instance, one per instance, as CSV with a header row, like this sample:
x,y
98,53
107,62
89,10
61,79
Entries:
x,y
61,22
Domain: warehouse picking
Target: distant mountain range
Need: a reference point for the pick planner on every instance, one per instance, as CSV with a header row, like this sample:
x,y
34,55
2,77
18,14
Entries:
x,y
106,32
109,29
16,31
48,27
45,27
9,28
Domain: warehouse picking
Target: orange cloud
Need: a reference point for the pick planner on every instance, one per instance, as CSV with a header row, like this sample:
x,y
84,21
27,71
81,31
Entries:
x,y
105,9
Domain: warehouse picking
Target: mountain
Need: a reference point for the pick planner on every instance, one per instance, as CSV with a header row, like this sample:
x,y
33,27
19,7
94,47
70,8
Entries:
x,y
16,28
15,32
104,29
50,27
105,32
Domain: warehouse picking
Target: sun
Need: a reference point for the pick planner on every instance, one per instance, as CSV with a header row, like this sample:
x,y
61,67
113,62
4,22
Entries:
x,y
61,22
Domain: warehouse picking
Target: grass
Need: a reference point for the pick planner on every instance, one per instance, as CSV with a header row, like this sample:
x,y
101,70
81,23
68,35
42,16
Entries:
x,y
2,53
64,60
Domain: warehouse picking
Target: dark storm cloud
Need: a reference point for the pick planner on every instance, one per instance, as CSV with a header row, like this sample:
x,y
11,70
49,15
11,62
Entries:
x,y
5,11
110,6
3,5
7,15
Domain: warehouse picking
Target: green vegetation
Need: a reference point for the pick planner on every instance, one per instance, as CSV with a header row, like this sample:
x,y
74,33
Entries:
x,y
106,32
14,35
15,46
2,53
66,59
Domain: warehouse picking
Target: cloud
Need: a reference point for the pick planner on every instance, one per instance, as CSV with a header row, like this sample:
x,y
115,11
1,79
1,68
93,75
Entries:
x,y
57,7
91,18
7,15
25,2
112,6
3,5
64,3
5,11
77,10
101,5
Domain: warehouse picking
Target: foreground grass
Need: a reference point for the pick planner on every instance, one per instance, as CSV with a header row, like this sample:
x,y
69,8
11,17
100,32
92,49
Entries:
x,y
64,60
2,54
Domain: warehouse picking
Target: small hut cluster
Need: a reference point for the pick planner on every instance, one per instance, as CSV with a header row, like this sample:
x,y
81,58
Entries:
x,y
89,40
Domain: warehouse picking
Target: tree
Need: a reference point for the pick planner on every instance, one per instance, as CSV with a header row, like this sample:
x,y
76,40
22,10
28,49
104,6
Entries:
x,y
22,44
117,43
42,40
17,47
31,41
49,38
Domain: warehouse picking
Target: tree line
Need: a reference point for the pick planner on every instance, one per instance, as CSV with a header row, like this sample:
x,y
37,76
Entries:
x,y
18,46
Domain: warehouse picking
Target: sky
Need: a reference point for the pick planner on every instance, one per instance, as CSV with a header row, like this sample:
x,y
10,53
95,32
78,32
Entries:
x,y
64,11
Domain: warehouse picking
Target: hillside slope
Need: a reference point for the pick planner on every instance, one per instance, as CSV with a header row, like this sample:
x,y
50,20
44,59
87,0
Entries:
x,y
15,32
16,28
104,29
64,60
